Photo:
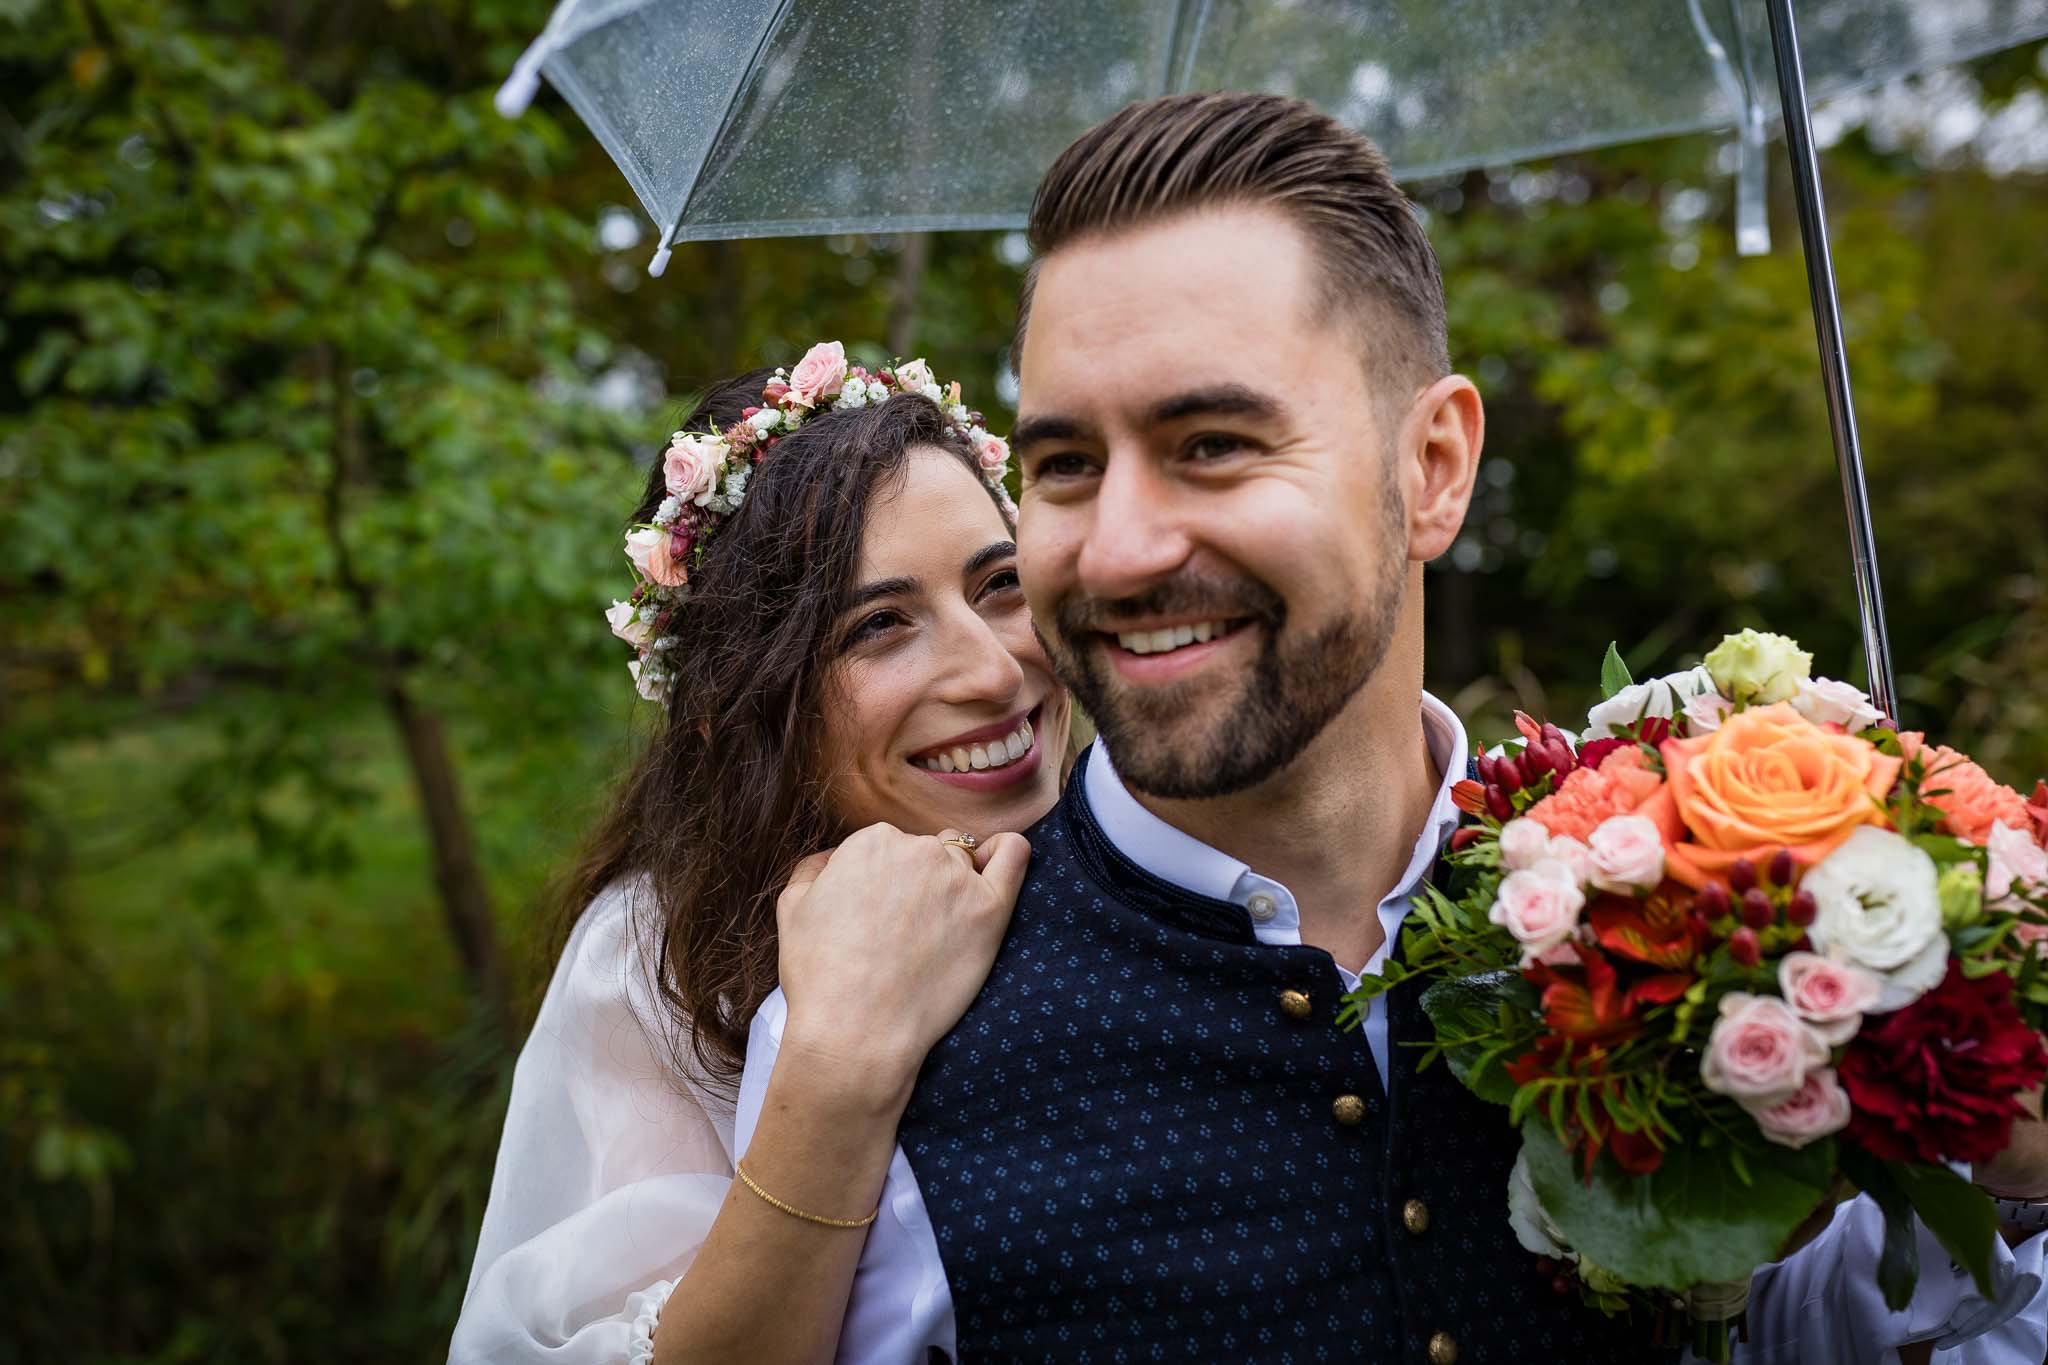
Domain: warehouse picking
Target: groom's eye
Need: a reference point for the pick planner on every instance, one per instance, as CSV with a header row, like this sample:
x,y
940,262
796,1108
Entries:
x,y
1065,464
1214,445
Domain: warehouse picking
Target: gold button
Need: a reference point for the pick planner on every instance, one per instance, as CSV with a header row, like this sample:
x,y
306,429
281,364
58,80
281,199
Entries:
x,y
1295,1004
1443,1349
1415,1217
1349,1109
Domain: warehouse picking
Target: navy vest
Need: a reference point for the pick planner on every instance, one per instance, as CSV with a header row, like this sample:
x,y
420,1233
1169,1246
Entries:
x,y
1131,1149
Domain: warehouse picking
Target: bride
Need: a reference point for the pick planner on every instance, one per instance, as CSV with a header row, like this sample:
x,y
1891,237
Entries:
x,y
827,605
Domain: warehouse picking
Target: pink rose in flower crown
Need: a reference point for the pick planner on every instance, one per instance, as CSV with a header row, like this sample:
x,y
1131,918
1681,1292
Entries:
x,y
818,375
1628,854
1831,996
1540,906
2014,860
690,467
1819,1107
992,453
653,553
1759,1052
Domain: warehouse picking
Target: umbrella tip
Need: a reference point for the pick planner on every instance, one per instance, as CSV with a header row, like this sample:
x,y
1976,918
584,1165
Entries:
x,y
659,263
518,91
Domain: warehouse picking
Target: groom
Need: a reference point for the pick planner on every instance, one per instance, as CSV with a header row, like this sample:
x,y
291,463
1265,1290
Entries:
x,y
1240,441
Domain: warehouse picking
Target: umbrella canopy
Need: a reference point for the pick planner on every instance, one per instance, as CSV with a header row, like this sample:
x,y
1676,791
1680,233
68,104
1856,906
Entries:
x,y
749,118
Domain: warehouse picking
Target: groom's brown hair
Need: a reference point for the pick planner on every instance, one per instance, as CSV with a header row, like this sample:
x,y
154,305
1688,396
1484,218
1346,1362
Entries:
x,y
1182,153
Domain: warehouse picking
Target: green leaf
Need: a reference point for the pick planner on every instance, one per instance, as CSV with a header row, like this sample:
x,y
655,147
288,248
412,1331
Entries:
x,y
1898,1264
1960,1216
1613,673
1470,1006
1692,1220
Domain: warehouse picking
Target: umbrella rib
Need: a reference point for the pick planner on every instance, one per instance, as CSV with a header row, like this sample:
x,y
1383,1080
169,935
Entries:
x,y
732,104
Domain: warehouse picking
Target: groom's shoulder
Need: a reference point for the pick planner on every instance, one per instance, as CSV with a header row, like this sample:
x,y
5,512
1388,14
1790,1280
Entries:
x,y
1056,857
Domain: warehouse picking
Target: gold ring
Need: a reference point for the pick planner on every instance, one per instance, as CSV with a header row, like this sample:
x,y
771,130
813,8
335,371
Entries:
x,y
963,841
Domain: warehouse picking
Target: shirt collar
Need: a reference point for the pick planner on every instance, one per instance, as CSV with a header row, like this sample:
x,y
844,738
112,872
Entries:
x,y
1177,857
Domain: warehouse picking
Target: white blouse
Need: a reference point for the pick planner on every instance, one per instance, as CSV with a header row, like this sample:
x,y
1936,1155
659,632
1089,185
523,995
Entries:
x,y
610,1172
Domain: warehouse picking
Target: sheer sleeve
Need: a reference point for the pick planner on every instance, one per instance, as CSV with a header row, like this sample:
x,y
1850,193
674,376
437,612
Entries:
x,y
610,1172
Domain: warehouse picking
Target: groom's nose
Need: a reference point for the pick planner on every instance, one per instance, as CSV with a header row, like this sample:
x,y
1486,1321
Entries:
x,y
1138,534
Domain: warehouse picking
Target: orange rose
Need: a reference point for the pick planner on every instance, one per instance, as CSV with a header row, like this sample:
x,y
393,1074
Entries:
x,y
1767,779
1590,795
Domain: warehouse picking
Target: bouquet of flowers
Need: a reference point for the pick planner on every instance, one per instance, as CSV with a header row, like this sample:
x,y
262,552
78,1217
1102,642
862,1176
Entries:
x,y
1736,950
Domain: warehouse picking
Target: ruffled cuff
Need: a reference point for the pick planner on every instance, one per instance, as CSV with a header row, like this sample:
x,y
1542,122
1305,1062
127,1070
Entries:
x,y
645,1307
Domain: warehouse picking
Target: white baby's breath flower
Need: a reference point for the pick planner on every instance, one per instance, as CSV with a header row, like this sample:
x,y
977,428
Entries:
x,y
766,420
670,508
1878,907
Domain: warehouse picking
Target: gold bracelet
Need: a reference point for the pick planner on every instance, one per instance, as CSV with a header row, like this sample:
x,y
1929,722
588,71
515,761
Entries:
x,y
795,1212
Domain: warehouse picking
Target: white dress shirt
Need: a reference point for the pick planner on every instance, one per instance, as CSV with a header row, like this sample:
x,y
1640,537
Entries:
x,y
1820,1307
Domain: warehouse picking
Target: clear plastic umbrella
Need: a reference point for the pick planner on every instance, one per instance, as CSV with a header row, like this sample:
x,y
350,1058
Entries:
x,y
752,118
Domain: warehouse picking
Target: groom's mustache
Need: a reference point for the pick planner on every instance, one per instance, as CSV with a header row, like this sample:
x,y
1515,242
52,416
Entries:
x,y
1201,596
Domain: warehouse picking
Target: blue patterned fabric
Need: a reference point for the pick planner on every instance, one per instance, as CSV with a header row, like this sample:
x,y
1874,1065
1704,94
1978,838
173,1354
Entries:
x,y
1130,1152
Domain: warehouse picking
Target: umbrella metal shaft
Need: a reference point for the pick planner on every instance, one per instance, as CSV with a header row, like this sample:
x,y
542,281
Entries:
x,y
1834,359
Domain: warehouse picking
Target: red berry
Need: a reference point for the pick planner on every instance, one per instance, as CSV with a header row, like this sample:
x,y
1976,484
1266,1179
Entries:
x,y
1743,947
1757,910
1741,875
1545,1266
1507,775
1802,909
1550,734
1498,805
1561,1283
1782,867
1700,926
1802,944
1489,767
1713,899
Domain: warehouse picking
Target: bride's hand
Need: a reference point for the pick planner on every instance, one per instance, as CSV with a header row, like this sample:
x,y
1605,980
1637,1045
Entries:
x,y
884,942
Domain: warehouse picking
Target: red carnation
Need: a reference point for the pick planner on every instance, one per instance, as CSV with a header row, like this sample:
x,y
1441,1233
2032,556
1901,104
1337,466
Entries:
x,y
1940,1079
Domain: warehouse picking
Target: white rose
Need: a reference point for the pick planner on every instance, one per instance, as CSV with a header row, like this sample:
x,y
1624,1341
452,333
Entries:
x,y
1877,906
1659,697
2013,862
1628,854
1523,843
1705,712
1824,701
914,376
1539,905
1526,1215
626,623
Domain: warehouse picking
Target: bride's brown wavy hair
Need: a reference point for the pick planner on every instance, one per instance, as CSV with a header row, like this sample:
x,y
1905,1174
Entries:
x,y
729,792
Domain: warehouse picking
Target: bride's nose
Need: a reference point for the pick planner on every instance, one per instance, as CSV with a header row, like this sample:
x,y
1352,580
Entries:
x,y
976,663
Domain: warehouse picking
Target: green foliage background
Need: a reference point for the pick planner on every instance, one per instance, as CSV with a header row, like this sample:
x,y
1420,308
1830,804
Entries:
x,y
324,391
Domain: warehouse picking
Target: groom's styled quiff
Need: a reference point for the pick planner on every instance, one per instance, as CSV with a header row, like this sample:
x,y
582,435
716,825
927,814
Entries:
x,y
1182,153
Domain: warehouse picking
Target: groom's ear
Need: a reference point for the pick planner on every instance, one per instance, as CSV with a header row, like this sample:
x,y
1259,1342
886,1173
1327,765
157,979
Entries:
x,y
1438,450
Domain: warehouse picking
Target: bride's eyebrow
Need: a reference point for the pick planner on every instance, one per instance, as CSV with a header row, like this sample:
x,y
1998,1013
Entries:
x,y
987,555
881,588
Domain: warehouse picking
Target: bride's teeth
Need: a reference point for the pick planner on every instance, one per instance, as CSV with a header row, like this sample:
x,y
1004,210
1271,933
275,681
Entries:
x,y
944,763
979,757
1013,746
961,763
1025,730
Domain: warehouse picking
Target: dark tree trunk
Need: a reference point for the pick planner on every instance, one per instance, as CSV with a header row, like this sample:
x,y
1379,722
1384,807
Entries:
x,y
458,877
903,296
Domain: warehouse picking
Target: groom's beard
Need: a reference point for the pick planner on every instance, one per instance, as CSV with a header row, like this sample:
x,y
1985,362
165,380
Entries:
x,y
1186,740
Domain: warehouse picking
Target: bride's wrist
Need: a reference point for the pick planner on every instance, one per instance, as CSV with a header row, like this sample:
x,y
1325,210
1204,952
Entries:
x,y
847,1077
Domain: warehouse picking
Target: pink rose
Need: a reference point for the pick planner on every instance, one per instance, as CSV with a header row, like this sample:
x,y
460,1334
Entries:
x,y
993,453
2015,859
1575,856
690,467
653,553
1819,1107
1826,701
818,375
1831,996
1539,905
1523,843
1628,854
1759,1052
1705,712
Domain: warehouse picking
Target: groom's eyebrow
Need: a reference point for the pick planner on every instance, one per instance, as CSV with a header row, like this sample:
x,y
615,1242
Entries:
x,y
1221,400
1040,430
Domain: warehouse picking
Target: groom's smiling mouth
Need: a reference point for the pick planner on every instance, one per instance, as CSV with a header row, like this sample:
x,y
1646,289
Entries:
x,y
1169,652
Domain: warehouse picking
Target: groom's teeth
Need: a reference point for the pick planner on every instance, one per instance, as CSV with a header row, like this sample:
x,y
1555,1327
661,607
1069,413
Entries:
x,y
1173,637
994,753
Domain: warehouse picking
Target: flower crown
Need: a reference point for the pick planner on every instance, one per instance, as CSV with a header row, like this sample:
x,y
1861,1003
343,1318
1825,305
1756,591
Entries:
x,y
706,474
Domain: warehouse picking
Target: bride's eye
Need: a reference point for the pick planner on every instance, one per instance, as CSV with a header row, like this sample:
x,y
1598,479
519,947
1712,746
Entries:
x,y
872,626
1001,581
